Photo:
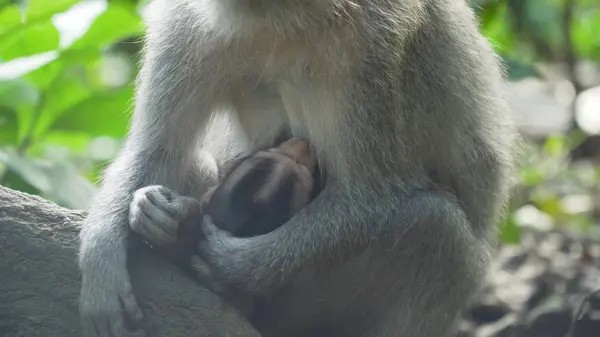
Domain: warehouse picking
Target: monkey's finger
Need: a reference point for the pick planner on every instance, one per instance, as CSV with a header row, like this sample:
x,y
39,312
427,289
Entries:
x,y
156,235
184,208
145,217
160,214
160,197
173,204
158,226
170,203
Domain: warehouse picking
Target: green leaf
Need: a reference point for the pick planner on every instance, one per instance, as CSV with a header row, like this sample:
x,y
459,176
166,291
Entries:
x,y
100,115
10,17
69,90
44,76
76,142
17,93
13,180
510,233
12,21
29,169
21,98
45,9
532,176
585,33
114,24
555,145
131,4
8,127
494,27
549,204
57,180
32,39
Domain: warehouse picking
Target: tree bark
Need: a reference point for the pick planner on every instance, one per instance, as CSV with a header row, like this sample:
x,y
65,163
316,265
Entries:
x,y
40,281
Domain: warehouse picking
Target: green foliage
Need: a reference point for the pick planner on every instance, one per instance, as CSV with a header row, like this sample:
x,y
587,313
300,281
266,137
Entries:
x,y
65,100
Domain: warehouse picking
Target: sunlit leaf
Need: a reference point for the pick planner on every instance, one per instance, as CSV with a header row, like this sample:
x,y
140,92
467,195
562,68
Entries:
x,y
10,17
76,141
130,4
12,21
31,40
104,31
45,76
532,176
45,9
585,33
555,145
550,204
494,27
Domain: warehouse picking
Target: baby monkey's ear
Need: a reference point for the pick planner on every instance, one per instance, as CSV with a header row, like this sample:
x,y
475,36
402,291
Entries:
x,y
299,150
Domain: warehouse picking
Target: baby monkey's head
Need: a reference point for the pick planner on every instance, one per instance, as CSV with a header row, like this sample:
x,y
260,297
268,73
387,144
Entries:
x,y
263,190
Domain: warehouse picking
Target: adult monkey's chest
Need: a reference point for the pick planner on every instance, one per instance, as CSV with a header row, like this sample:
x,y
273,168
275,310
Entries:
x,y
293,97
307,72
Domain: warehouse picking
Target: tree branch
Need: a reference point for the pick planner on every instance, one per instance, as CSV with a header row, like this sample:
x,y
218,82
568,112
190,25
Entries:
x,y
39,280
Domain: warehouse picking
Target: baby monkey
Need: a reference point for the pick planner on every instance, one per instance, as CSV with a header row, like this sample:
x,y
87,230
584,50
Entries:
x,y
258,193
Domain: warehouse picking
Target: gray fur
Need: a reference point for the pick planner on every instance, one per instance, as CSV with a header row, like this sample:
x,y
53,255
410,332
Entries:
x,y
402,101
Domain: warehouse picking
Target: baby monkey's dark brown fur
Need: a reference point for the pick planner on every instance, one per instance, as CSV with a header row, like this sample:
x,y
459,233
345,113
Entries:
x,y
262,191
259,193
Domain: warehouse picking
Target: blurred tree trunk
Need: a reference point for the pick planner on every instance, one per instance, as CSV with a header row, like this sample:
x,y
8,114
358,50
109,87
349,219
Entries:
x,y
39,280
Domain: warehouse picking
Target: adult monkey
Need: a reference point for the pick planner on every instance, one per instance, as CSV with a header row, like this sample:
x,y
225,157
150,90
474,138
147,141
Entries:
x,y
401,101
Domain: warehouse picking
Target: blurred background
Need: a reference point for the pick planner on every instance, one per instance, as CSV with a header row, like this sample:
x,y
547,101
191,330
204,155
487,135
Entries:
x,y
66,92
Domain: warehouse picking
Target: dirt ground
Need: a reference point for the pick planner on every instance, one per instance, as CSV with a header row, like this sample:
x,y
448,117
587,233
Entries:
x,y
537,288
